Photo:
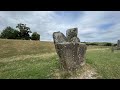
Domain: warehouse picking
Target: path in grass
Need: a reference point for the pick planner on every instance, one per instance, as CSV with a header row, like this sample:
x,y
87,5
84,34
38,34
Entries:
x,y
86,72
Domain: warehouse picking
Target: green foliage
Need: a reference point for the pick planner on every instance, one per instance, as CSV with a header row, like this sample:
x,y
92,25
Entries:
x,y
98,43
114,44
92,43
10,33
108,44
24,31
35,36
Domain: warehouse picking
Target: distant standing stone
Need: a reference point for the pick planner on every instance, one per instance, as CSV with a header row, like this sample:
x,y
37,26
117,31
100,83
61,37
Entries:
x,y
118,43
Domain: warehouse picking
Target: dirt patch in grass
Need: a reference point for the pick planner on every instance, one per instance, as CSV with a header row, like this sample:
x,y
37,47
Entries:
x,y
84,72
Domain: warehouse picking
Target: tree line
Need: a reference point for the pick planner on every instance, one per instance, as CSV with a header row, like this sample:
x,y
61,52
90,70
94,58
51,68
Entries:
x,y
100,43
23,33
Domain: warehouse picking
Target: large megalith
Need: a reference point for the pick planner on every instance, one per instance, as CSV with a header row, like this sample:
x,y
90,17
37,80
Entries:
x,y
69,49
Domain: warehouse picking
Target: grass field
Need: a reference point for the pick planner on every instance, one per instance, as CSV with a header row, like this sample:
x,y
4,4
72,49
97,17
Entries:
x,y
21,59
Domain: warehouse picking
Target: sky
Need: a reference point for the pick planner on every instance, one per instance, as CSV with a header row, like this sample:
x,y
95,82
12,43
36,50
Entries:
x,y
93,26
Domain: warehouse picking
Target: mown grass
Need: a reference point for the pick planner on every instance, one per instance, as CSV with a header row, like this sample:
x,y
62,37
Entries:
x,y
21,59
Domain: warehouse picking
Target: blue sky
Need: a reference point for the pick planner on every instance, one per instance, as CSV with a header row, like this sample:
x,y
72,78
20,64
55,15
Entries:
x,y
93,26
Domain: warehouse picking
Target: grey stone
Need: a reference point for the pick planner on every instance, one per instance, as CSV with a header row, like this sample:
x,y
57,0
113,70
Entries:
x,y
71,55
59,37
117,47
74,39
118,43
71,33
69,49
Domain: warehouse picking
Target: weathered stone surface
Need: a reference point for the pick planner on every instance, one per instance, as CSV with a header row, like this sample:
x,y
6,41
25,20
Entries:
x,y
118,43
59,37
71,33
69,49
71,54
74,39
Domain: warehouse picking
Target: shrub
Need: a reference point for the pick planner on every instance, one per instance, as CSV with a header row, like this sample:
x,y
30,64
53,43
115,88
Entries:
x,y
10,33
108,44
35,36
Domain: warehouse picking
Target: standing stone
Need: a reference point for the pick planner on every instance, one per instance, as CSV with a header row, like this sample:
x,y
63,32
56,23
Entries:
x,y
59,37
71,55
118,43
71,35
74,39
69,49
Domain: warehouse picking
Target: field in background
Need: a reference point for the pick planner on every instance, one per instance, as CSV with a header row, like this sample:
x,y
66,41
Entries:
x,y
37,59
10,48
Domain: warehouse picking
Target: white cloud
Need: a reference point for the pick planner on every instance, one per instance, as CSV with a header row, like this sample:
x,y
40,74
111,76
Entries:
x,y
47,22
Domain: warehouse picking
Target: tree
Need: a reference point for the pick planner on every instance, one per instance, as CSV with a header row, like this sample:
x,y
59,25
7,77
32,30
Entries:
x,y
35,36
24,31
9,33
108,44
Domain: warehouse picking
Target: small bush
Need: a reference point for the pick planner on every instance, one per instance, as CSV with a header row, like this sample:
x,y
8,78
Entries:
x,y
95,44
35,36
9,33
114,44
108,44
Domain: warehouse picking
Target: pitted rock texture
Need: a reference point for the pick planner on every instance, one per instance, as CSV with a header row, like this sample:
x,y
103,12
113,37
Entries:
x,y
71,35
69,49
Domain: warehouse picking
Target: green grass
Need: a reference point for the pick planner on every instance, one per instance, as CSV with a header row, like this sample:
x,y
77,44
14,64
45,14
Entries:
x,y
27,59
105,62
29,68
21,59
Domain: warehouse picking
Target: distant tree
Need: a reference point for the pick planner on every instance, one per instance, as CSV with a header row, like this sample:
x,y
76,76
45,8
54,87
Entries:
x,y
91,43
24,31
35,36
114,44
16,34
9,33
108,44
